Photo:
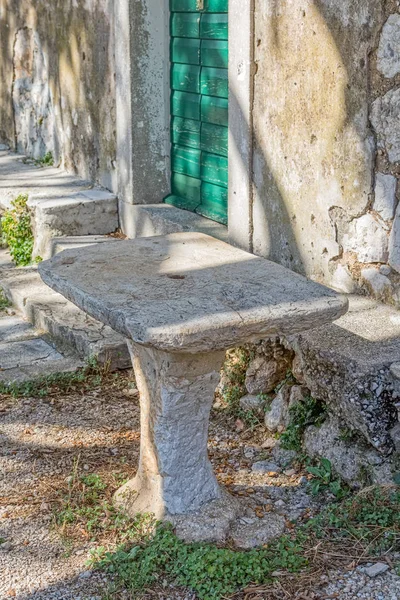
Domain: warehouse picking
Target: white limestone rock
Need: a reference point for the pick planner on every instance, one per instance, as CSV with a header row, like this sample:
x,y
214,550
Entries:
x,y
385,196
342,280
395,370
368,238
263,375
276,418
250,535
389,47
385,118
376,282
265,466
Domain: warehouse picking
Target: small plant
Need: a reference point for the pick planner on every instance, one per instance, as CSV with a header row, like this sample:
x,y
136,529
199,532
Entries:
x,y
17,231
85,508
4,302
46,161
302,414
363,526
324,480
89,377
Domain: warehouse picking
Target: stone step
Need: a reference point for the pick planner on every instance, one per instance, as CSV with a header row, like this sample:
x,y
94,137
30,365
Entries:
x,y
15,329
69,327
40,369
59,244
85,213
61,204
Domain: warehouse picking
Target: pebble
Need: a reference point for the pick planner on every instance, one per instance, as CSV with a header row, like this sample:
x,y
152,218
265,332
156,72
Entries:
x,y
377,569
6,546
264,466
85,575
279,504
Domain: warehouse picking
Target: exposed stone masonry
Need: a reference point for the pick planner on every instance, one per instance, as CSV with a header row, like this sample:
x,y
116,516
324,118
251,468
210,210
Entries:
x,y
370,243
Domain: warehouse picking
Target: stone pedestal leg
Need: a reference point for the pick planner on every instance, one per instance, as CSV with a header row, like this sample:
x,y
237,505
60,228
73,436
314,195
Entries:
x,y
175,476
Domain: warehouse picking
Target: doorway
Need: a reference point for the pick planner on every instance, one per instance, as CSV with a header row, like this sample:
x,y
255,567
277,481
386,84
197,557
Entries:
x,y
199,107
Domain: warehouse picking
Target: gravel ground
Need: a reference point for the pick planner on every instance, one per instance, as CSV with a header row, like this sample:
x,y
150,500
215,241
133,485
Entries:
x,y
41,439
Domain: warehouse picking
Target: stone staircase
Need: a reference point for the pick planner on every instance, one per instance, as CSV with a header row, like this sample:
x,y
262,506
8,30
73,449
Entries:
x,y
55,335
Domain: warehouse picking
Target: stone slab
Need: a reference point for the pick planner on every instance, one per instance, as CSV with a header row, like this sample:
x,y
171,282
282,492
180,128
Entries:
x,y
189,292
71,328
26,353
147,220
348,365
40,369
15,329
60,244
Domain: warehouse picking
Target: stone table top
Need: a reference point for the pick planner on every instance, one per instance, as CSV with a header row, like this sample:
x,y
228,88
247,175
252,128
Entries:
x,y
189,292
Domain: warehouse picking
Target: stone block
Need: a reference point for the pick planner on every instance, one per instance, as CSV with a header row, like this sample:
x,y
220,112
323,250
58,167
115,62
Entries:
x,y
277,417
385,196
250,535
342,280
377,283
368,238
389,47
265,466
377,569
348,364
385,118
91,212
263,375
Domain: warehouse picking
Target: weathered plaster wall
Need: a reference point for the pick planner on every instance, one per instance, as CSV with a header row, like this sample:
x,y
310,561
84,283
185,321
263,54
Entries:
x,y
327,140
57,89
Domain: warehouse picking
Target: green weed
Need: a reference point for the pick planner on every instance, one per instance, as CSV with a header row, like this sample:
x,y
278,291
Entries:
x,y
365,525
90,376
17,231
4,302
46,161
325,480
86,507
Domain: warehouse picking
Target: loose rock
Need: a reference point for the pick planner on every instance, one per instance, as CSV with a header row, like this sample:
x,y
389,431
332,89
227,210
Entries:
x,y
261,532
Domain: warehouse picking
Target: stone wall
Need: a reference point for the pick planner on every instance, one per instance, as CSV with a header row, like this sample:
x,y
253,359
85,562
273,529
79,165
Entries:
x,y
57,89
327,141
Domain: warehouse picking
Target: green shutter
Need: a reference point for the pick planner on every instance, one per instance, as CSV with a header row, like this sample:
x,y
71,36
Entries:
x,y
199,107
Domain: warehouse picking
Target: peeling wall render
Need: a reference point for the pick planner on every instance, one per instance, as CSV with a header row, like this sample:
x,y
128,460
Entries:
x,y
327,141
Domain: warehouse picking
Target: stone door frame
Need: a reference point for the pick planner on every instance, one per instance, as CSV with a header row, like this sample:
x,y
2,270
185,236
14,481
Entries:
x,y
143,110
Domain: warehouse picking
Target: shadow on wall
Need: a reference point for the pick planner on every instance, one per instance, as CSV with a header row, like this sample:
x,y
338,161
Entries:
x,y
57,83
314,150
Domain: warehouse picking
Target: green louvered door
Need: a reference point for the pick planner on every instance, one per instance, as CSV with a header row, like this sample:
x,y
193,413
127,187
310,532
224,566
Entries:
x,y
199,107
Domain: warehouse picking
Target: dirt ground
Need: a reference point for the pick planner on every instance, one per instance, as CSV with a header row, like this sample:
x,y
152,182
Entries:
x,y
95,430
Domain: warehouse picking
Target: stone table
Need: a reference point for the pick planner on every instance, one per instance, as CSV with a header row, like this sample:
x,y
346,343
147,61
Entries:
x,y
182,300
